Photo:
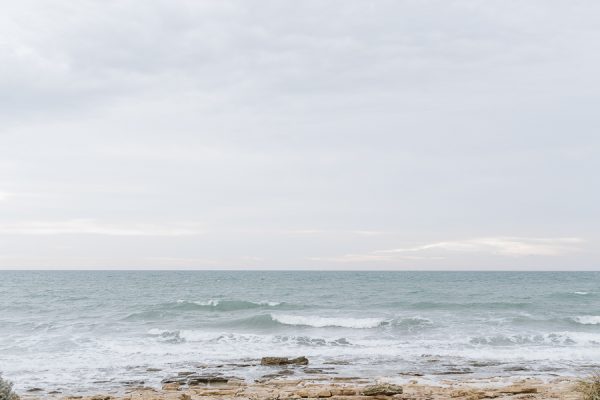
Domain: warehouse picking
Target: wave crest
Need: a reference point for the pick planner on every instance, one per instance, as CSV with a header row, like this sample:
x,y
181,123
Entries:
x,y
225,305
323,322
588,319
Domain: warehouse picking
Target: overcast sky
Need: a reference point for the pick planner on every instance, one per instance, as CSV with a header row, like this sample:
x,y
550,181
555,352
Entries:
x,y
300,134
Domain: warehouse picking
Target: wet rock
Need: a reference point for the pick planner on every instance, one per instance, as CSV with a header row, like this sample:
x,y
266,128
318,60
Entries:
x,y
100,397
133,383
516,368
337,362
519,389
455,372
313,371
384,389
35,389
410,373
489,395
283,372
484,363
175,379
207,380
349,379
284,361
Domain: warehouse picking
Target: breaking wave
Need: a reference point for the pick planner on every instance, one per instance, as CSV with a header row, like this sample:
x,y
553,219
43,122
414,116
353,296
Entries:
x,y
322,322
187,335
553,339
588,319
224,305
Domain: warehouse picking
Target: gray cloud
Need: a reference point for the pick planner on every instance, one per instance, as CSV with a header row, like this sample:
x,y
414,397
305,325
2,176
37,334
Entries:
x,y
423,122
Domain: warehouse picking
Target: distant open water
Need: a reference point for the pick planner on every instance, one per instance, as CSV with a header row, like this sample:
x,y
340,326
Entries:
x,y
102,330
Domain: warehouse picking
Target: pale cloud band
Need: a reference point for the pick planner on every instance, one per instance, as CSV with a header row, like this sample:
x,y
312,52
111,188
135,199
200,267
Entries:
x,y
93,227
493,246
508,246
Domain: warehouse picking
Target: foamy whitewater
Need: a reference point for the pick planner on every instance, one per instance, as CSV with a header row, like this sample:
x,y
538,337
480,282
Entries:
x,y
93,330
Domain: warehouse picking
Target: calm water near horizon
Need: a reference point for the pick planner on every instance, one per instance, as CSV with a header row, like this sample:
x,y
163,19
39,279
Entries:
x,y
76,329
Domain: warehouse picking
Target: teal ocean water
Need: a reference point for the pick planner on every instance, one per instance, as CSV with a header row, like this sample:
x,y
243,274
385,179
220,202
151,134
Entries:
x,y
83,330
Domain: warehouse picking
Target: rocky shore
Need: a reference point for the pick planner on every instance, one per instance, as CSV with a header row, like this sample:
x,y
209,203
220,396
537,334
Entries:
x,y
355,389
190,385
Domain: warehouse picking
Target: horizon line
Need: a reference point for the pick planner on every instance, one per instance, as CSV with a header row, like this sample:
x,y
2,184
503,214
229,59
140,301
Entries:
x,y
146,269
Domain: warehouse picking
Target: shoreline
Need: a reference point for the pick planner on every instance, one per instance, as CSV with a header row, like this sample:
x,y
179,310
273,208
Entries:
x,y
338,389
257,371
295,379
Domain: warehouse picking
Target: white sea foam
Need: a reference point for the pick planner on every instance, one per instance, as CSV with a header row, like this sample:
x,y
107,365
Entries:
x,y
581,293
156,331
211,302
217,302
269,303
322,322
588,319
549,339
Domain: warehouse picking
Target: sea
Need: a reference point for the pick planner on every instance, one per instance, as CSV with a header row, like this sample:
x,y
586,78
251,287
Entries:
x,y
91,331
